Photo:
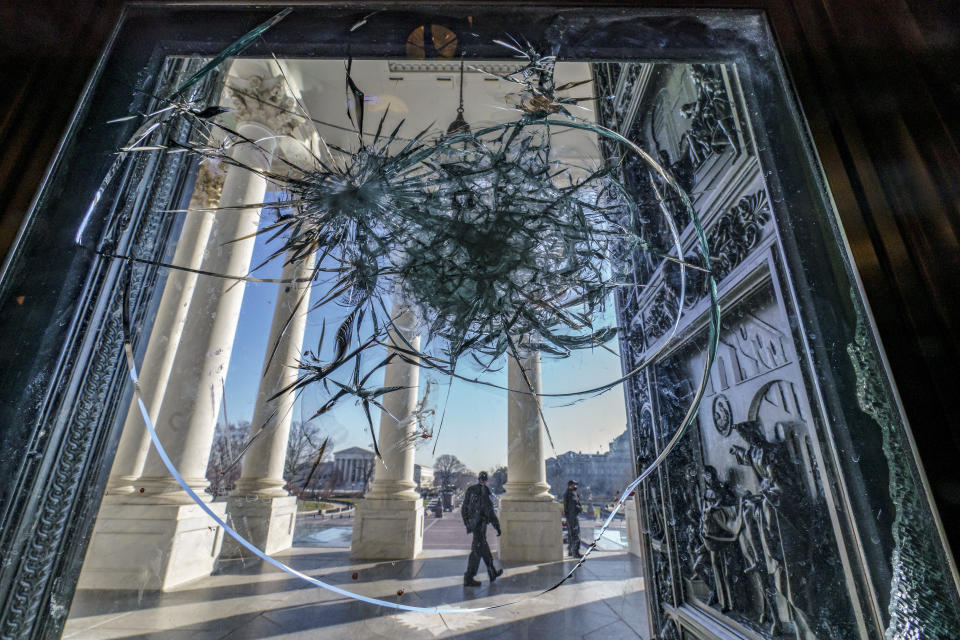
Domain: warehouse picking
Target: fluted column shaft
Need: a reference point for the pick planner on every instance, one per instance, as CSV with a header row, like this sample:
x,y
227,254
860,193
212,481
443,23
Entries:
x,y
162,347
529,517
262,470
393,476
188,413
389,521
526,464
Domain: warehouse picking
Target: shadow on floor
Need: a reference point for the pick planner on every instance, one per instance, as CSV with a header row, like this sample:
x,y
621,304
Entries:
x,y
248,600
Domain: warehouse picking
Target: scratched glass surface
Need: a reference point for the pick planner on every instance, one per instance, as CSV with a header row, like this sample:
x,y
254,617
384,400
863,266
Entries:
x,y
388,276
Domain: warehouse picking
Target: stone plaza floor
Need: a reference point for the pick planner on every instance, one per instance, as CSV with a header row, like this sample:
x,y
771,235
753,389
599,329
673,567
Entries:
x,y
247,600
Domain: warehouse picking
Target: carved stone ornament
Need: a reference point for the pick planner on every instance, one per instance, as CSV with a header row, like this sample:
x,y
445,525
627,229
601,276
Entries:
x,y
722,415
737,232
663,576
606,78
657,527
265,101
644,436
446,66
712,125
207,188
660,315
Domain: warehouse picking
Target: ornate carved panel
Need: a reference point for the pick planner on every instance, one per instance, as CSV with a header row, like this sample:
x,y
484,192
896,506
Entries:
x,y
752,507
746,532
738,231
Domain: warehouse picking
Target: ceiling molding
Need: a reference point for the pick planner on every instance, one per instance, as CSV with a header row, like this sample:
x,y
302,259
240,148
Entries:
x,y
451,66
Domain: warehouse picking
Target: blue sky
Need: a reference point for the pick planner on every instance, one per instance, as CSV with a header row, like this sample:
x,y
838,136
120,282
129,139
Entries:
x,y
475,421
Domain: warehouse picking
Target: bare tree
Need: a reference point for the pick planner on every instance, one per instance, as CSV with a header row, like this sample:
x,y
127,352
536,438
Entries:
x,y
302,448
309,466
329,481
464,479
497,479
446,468
223,469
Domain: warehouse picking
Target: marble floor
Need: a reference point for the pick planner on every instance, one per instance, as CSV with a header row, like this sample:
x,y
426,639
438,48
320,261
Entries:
x,y
246,600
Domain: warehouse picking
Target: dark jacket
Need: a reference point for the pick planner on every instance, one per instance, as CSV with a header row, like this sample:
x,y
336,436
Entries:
x,y
571,504
477,509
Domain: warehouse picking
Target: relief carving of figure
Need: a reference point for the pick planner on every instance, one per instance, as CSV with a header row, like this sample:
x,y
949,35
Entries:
x,y
766,514
721,521
742,536
727,532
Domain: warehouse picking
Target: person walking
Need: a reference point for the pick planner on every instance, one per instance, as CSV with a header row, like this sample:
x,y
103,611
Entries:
x,y
477,512
572,509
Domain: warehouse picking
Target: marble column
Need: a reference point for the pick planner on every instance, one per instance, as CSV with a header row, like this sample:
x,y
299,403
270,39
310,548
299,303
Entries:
x,y
389,520
529,516
260,508
157,538
188,415
165,334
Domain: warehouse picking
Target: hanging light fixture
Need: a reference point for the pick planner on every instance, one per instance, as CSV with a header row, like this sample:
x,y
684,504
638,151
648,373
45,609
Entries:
x,y
459,124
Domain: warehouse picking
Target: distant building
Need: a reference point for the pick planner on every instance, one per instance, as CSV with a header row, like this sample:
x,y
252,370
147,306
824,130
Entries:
x,y
354,468
322,479
423,476
601,473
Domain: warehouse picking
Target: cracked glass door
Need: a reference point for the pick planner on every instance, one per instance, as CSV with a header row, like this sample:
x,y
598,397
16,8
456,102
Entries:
x,y
493,322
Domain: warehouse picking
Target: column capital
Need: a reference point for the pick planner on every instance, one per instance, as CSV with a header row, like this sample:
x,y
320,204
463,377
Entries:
x,y
265,100
208,187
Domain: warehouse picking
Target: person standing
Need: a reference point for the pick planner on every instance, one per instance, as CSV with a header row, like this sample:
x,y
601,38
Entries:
x,y
477,512
572,509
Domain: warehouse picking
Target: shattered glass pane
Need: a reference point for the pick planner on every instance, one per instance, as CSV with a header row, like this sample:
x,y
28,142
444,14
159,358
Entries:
x,y
390,320
348,280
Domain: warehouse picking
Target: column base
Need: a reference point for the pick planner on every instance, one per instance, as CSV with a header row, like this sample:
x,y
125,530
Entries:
x,y
161,490
151,546
633,527
387,530
532,531
266,522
